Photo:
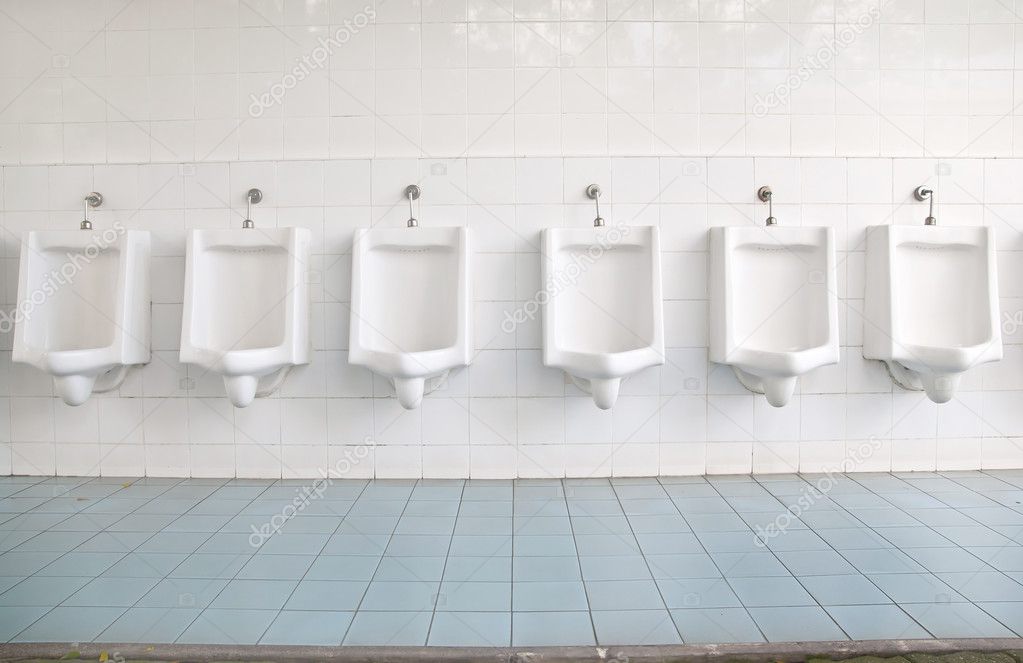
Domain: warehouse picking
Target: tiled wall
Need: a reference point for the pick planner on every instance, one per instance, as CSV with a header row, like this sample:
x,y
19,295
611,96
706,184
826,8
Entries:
x,y
507,415
503,112
93,81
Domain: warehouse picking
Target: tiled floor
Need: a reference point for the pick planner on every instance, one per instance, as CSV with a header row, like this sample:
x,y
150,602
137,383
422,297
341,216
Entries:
x,y
622,561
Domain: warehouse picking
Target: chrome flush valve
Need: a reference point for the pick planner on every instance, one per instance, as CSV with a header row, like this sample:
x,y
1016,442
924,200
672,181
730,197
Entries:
x,y
923,193
92,200
765,195
253,197
593,193
412,192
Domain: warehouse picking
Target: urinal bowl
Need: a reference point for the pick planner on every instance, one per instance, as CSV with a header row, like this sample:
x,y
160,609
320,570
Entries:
x,y
246,309
931,304
773,306
410,306
602,312
84,308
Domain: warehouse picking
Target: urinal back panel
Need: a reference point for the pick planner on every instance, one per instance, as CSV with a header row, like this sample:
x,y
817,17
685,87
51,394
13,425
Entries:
x,y
771,289
80,314
778,304
942,294
930,286
606,295
247,288
406,294
74,285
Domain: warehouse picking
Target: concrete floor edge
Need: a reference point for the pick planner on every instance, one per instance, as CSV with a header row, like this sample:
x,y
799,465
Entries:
x,y
784,652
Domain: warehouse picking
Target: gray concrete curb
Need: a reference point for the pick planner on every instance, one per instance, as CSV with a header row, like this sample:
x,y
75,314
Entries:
x,y
792,652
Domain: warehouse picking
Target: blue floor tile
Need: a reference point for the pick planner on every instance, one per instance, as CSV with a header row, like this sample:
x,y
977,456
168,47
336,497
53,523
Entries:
x,y
210,565
228,626
330,595
697,593
792,624
111,592
635,627
915,588
183,593
155,625
69,625
42,591
413,596
410,569
684,565
1008,613
85,564
471,629
876,622
274,567
539,629
631,567
479,569
296,627
389,628
956,620
255,594
548,568
716,625
552,596
459,596
770,592
843,590
343,567
145,565
14,620
624,595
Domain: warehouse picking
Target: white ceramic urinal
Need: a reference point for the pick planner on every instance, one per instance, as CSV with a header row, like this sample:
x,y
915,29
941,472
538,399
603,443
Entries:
x,y
602,313
83,307
773,307
410,306
246,311
931,304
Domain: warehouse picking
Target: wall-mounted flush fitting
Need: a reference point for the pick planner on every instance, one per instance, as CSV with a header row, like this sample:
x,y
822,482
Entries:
x,y
922,193
593,193
765,195
252,197
412,192
92,200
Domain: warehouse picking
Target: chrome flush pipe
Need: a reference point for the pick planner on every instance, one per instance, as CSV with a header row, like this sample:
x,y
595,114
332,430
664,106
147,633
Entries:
x,y
923,193
412,192
253,197
92,200
593,193
765,195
